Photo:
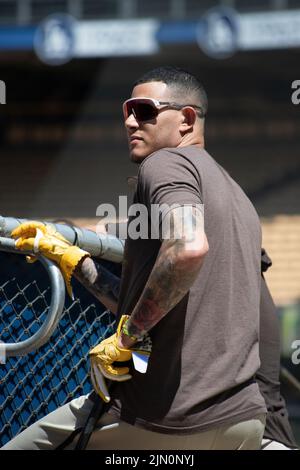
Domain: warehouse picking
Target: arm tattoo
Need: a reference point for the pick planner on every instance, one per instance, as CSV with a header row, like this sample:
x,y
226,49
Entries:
x,y
173,273
99,281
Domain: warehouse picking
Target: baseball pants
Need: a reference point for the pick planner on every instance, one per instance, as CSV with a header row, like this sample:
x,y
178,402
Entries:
x,y
62,426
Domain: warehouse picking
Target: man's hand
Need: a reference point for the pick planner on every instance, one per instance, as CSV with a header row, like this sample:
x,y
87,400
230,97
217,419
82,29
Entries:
x,y
108,351
102,358
44,239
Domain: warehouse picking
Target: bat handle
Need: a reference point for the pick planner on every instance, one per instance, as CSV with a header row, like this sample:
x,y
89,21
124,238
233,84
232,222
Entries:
x,y
98,409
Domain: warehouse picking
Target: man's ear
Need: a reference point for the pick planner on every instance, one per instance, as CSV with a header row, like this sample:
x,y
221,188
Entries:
x,y
188,119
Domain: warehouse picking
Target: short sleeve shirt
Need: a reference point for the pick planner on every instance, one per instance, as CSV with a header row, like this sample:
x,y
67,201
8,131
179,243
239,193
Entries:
x,y
205,350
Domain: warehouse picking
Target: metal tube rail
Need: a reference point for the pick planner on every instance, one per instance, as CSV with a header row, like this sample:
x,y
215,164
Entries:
x,y
55,309
99,245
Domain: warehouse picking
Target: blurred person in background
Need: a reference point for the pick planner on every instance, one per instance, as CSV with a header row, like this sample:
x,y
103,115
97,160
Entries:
x,y
278,434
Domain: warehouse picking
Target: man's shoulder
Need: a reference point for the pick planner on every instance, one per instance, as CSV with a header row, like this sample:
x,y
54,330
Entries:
x,y
175,156
166,165
154,157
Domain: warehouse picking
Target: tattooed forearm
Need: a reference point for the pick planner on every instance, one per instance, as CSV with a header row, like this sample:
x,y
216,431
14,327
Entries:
x,y
100,282
176,268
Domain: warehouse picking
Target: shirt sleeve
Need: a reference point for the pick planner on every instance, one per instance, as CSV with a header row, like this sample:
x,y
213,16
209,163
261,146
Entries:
x,y
169,178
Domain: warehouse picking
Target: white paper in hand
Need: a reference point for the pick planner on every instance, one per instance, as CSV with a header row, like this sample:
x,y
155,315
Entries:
x,y
140,361
141,354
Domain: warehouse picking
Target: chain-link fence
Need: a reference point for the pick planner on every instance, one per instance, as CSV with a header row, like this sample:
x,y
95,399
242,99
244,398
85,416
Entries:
x,y
33,385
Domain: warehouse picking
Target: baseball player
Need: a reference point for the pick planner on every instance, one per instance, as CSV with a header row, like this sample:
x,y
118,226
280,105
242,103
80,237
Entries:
x,y
193,289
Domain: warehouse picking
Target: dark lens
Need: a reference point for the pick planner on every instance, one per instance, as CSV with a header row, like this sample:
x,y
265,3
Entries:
x,y
142,111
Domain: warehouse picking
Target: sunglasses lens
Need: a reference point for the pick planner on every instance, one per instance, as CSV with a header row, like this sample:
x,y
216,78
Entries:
x,y
141,110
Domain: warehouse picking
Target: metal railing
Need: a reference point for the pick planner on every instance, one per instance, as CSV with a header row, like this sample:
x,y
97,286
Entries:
x,y
57,287
46,336
101,245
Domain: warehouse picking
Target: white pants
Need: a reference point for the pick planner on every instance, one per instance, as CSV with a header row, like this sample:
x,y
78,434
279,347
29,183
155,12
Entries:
x,y
111,434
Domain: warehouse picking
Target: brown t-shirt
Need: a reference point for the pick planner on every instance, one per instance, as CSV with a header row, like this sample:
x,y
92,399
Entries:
x,y
205,350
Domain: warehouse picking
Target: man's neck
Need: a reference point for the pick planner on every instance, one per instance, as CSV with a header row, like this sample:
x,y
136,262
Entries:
x,y
192,140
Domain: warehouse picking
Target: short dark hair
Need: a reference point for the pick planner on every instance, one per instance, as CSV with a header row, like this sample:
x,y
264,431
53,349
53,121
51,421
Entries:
x,y
181,81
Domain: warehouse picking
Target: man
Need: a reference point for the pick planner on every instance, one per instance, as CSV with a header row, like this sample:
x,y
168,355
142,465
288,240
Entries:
x,y
196,295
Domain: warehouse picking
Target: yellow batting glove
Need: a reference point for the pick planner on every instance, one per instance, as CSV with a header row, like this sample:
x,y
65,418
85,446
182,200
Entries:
x,y
102,358
44,239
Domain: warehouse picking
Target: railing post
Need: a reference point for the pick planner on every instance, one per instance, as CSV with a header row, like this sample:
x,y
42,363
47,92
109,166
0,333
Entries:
x,y
55,310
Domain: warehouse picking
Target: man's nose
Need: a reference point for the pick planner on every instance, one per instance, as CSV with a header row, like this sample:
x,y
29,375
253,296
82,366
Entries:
x,y
131,122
